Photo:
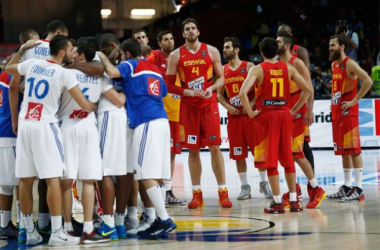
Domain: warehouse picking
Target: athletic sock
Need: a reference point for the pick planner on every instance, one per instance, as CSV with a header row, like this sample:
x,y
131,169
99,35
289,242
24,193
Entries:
x,y
43,220
28,222
68,226
119,219
263,175
5,218
149,211
56,223
347,176
155,196
109,220
277,198
197,187
132,213
313,183
163,192
358,176
243,178
168,185
222,187
88,227
293,196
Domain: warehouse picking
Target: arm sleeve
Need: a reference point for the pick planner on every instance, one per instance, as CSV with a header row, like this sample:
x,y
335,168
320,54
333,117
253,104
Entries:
x,y
172,88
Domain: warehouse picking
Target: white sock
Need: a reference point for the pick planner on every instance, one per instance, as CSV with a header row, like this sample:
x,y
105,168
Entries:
x,y
43,220
56,223
18,211
168,185
263,175
155,196
109,220
196,187
132,213
22,224
28,222
88,227
6,216
293,196
243,178
358,176
119,219
68,226
313,183
150,212
347,176
222,187
163,192
277,198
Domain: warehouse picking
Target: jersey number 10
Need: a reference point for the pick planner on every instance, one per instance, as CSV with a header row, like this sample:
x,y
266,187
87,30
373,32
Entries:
x,y
277,92
42,84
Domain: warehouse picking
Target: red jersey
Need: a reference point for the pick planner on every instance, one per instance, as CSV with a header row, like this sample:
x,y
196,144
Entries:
x,y
196,72
274,93
157,58
295,50
233,81
295,93
343,89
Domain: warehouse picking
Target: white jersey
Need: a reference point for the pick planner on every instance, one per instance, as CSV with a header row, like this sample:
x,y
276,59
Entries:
x,y
106,105
44,83
41,51
91,86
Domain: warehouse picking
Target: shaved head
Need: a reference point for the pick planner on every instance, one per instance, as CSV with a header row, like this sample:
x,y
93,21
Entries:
x,y
285,28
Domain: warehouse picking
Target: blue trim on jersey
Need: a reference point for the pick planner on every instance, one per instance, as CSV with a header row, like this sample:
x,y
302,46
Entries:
x,y
143,143
103,133
59,145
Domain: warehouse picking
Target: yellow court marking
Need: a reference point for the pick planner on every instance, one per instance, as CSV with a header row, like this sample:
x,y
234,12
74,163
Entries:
x,y
191,224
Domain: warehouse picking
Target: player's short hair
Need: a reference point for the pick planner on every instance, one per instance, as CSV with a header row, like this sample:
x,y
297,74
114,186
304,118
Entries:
x,y
106,39
268,46
342,40
26,35
94,42
235,42
58,43
162,33
138,30
132,46
87,48
55,25
288,39
189,20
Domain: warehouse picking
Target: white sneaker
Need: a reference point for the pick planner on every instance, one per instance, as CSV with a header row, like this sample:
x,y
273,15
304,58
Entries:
x,y
61,237
131,223
33,238
144,225
77,207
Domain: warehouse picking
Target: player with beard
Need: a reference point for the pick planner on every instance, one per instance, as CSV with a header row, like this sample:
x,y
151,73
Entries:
x,y
240,127
172,102
195,63
344,113
316,193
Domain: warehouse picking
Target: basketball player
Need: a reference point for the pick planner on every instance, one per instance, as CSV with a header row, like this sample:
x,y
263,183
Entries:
x,y
144,88
240,127
39,139
195,63
172,103
302,54
316,193
80,140
273,119
344,113
28,34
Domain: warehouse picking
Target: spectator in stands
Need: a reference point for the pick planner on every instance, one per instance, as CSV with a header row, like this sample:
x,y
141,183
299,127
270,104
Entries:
x,y
342,28
321,83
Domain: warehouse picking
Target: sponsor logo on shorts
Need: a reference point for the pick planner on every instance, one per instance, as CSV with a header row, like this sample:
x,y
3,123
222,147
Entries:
x,y
192,139
154,86
274,102
34,111
78,113
297,115
238,151
345,112
1,97
171,143
335,147
174,96
335,100
212,138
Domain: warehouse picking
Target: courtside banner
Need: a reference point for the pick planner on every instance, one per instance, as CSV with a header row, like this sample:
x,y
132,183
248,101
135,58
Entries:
x,y
321,131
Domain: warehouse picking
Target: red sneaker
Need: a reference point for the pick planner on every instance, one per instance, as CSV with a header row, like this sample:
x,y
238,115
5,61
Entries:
x,y
275,208
295,206
310,190
224,201
318,197
197,200
285,200
299,192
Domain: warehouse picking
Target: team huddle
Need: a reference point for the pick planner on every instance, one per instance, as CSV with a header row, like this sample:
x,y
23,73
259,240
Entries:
x,y
115,115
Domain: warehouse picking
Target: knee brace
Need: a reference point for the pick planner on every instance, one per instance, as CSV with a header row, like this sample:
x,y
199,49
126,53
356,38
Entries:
x,y
6,190
272,172
290,170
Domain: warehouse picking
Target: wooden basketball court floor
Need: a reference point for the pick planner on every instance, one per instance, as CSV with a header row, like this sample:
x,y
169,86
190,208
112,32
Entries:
x,y
333,225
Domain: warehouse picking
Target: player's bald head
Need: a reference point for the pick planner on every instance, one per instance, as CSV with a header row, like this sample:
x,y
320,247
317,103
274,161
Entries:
x,y
285,28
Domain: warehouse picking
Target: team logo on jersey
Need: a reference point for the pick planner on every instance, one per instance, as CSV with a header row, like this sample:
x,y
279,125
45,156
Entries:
x,y
78,114
154,86
34,111
238,151
235,101
174,96
342,67
274,102
192,139
196,83
335,100
242,70
1,97
203,53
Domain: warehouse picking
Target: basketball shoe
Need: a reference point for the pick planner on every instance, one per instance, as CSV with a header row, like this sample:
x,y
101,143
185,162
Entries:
x,y
285,197
245,192
265,189
197,200
224,201
317,195
356,194
93,237
143,225
106,231
295,206
171,200
121,231
275,208
158,229
9,232
21,235
342,192
33,238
